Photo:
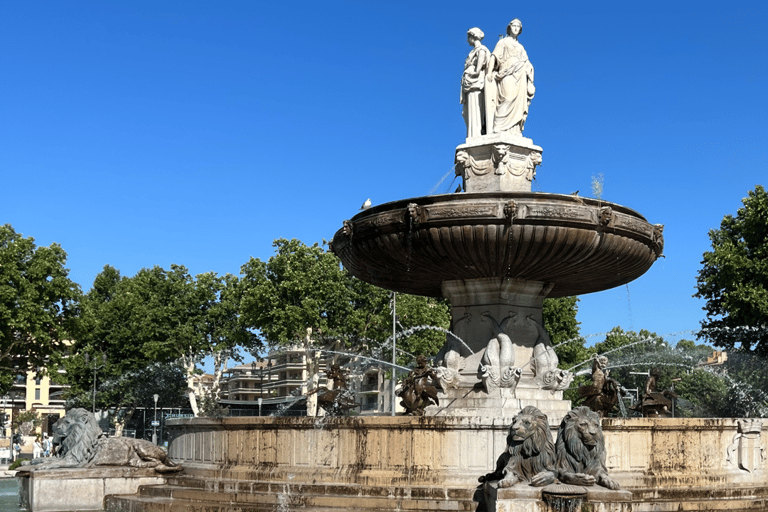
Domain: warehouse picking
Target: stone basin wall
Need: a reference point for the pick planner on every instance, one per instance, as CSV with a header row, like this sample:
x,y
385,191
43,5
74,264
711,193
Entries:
x,y
650,457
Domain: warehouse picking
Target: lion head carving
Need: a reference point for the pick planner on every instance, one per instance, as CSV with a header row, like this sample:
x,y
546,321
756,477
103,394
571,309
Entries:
x,y
82,444
580,450
530,455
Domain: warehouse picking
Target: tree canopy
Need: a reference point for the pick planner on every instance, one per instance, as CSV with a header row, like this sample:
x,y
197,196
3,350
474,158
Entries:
x,y
38,304
157,316
734,278
303,288
559,317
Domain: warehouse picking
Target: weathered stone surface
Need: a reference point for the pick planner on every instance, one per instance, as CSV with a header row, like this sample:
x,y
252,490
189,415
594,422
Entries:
x,y
640,452
498,163
414,245
79,489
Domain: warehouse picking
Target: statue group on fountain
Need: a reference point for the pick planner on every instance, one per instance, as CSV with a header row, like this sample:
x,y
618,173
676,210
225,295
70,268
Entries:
x,y
417,391
603,395
496,88
655,404
337,400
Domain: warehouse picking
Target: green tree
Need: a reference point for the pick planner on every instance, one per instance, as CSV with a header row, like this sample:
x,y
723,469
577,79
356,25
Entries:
x,y
120,394
302,296
559,317
300,288
38,304
701,394
157,316
734,278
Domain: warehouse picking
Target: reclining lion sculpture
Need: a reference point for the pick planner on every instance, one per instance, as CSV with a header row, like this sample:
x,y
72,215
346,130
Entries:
x,y
83,445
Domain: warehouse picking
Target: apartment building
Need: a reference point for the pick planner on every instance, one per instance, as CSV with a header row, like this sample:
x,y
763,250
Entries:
x,y
33,392
281,384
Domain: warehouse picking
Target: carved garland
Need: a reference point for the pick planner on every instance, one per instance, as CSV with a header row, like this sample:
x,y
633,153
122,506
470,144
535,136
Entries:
x,y
466,164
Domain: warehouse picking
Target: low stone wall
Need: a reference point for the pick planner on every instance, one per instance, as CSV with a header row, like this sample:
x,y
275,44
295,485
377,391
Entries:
x,y
79,489
647,456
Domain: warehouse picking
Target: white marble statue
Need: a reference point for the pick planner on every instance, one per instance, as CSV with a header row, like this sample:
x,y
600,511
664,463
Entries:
x,y
473,84
510,82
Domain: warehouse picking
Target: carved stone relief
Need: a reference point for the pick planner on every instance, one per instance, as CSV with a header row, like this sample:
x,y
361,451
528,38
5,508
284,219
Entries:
x,y
544,362
468,166
747,451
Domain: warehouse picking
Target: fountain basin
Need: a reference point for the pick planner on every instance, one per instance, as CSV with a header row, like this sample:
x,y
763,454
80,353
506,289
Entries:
x,y
428,463
572,244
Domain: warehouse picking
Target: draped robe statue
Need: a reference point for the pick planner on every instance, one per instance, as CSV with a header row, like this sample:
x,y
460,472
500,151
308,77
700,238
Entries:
x,y
510,82
473,84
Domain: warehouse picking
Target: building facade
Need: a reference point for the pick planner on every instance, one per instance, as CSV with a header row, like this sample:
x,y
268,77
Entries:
x,y
283,383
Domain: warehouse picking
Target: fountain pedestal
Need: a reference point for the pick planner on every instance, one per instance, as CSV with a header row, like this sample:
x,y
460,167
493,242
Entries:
x,y
501,162
482,309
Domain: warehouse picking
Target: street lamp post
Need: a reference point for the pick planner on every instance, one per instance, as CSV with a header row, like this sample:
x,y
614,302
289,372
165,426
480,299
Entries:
x,y
154,423
95,367
394,348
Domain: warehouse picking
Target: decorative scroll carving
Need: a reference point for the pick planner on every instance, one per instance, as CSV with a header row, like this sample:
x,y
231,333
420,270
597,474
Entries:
x,y
462,211
553,212
747,451
466,164
605,216
381,220
497,364
544,362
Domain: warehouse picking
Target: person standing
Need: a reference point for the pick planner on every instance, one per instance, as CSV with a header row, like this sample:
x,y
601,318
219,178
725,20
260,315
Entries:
x,y
47,445
37,448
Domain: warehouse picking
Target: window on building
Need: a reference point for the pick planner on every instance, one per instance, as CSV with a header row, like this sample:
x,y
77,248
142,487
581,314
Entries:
x,y
37,394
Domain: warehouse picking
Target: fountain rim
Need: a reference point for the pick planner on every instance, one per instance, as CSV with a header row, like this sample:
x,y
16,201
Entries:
x,y
464,196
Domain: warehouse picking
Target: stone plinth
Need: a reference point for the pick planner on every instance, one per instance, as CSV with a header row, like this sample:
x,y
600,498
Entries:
x,y
500,403
79,489
524,498
501,162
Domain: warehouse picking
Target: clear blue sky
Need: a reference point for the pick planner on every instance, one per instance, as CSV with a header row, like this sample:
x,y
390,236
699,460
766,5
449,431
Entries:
x,y
142,133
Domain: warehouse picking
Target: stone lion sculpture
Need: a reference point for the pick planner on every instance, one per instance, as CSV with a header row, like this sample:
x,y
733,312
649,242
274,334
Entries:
x,y
530,455
83,445
580,449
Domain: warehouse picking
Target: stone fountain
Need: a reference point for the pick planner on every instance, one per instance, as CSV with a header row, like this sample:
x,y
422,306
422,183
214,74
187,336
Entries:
x,y
495,250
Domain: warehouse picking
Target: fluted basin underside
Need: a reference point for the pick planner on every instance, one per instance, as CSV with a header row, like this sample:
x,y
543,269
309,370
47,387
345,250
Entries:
x,y
578,245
